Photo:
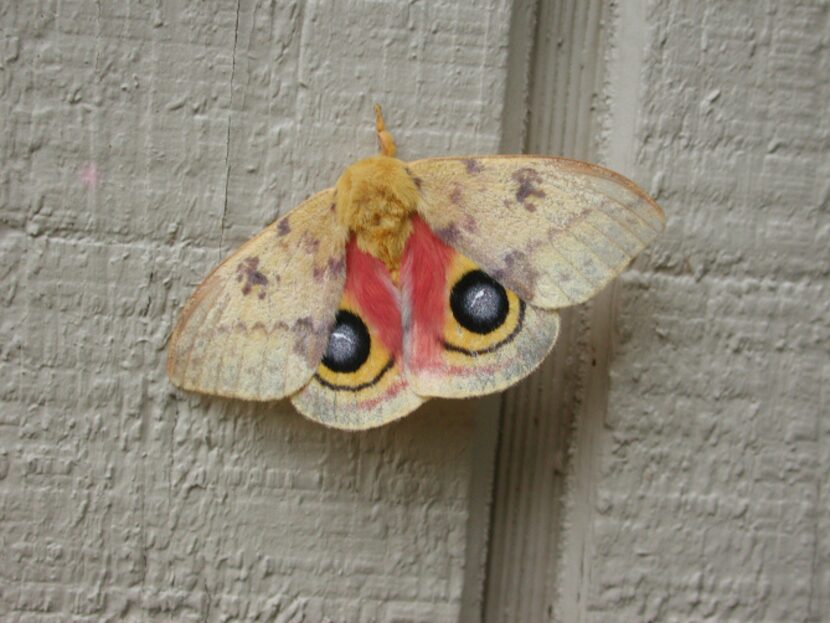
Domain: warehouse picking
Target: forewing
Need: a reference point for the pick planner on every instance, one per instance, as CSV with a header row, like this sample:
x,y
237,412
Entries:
x,y
554,230
466,334
359,382
257,327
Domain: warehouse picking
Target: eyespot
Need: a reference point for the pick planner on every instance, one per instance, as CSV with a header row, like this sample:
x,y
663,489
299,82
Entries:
x,y
349,342
479,303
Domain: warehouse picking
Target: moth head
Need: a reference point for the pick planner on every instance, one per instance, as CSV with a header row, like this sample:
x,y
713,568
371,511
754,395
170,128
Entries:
x,y
375,200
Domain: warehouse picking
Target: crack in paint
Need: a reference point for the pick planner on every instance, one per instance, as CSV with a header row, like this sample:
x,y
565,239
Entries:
x,y
228,138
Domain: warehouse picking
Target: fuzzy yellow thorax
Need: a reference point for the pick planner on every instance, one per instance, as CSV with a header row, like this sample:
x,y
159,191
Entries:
x,y
376,198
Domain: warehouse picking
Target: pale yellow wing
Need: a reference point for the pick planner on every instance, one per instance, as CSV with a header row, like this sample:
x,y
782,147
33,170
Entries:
x,y
257,327
553,230
385,397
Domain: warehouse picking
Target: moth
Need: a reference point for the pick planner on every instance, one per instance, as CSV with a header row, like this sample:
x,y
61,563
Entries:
x,y
409,280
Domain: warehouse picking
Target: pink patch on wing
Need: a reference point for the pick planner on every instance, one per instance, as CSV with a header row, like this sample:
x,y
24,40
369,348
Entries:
x,y
472,371
390,393
369,283
424,282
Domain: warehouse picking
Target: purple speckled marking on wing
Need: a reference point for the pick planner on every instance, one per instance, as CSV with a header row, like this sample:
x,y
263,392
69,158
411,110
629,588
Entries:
x,y
449,234
528,180
519,274
247,271
310,244
473,166
470,224
283,226
337,265
417,180
309,341
333,267
455,193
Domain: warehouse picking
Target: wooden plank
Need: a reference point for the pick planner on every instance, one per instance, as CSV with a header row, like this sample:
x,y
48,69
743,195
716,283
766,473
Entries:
x,y
538,414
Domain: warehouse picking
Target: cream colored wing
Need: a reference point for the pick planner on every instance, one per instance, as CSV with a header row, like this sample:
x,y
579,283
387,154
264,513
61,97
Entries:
x,y
553,230
382,398
257,327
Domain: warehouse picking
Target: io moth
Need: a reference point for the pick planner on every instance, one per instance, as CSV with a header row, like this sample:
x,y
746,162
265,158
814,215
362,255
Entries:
x,y
438,277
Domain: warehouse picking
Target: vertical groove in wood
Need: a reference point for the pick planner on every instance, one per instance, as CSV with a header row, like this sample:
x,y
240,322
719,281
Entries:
x,y
538,415
487,440
620,81
484,449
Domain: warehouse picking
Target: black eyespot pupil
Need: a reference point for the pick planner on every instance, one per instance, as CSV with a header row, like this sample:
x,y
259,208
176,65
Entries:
x,y
479,303
349,342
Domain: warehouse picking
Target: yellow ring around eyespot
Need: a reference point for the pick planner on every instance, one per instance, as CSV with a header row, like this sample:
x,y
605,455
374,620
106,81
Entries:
x,y
462,340
378,363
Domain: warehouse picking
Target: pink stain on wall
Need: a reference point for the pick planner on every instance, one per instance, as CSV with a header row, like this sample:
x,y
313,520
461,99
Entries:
x,y
89,176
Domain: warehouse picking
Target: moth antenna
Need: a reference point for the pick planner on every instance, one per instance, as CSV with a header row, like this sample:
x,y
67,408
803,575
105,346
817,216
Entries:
x,y
385,140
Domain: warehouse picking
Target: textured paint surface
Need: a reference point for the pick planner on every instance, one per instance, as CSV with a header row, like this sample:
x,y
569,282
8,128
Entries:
x,y
140,143
708,476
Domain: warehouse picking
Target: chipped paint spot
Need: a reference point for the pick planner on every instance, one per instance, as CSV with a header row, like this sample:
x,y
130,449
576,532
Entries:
x,y
283,226
473,165
247,271
528,179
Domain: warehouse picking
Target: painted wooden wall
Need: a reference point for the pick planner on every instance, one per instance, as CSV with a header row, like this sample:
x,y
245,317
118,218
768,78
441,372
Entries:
x,y
669,460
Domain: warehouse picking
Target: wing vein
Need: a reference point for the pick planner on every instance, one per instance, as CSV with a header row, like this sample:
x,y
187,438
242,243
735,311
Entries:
x,y
195,333
581,275
202,330
632,211
625,226
613,243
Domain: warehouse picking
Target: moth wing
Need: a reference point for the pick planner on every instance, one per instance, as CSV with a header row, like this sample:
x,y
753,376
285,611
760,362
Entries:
x,y
554,230
467,335
359,382
257,326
